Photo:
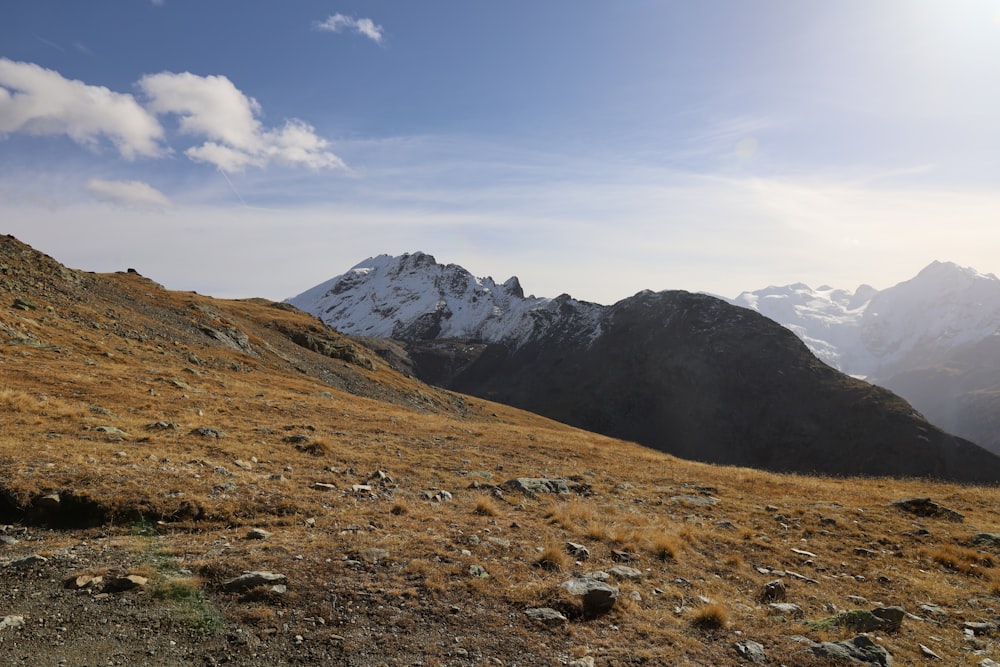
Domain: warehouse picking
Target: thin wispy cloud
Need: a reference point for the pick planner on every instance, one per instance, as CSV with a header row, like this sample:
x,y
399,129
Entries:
x,y
340,22
130,194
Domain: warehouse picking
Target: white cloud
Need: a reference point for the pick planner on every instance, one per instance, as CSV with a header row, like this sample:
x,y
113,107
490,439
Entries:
x,y
213,107
132,194
41,101
338,22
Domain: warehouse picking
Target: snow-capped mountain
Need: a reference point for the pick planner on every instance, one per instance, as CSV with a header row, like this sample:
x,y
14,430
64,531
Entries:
x,y
878,333
413,297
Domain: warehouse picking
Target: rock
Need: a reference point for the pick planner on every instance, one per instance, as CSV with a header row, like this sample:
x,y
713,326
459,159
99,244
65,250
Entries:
x,y
578,551
623,572
478,571
751,650
362,489
986,539
161,426
860,649
12,622
28,561
860,620
891,617
322,486
773,591
126,583
981,628
374,556
259,534
927,508
620,556
698,501
545,615
598,596
585,661
49,502
245,465
207,432
786,609
934,611
929,653
113,432
437,496
249,580
986,662
83,581
9,541
535,485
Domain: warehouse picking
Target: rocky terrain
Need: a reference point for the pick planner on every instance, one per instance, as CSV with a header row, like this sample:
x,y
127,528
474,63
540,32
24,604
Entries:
x,y
687,374
186,480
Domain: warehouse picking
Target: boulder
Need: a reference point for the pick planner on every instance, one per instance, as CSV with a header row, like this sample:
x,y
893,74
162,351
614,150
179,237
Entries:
x,y
598,597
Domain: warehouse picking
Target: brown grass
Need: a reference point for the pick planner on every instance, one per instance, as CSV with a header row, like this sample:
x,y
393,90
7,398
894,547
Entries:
x,y
961,559
710,617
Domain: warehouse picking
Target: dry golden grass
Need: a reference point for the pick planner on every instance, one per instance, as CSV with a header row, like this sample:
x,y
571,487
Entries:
x,y
196,496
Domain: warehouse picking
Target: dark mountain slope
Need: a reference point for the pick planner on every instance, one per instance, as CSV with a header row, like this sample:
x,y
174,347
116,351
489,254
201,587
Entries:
x,y
691,375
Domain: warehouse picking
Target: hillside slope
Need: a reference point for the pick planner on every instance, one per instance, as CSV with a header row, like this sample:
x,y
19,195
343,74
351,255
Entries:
x,y
156,446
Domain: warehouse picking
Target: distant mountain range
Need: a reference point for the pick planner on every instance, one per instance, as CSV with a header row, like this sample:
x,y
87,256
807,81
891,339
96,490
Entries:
x,y
684,373
933,339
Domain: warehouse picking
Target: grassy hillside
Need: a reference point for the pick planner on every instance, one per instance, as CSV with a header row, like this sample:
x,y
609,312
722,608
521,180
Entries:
x,y
147,432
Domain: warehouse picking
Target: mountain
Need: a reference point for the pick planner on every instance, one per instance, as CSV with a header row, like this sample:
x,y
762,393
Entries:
x,y
934,339
684,373
195,481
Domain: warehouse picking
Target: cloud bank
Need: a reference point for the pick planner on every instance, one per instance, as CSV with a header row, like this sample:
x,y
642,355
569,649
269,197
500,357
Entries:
x,y
39,101
363,26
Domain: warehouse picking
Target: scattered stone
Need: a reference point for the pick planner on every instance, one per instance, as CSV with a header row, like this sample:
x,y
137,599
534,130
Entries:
x,y
585,661
891,617
986,662
208,432
374,556
437,496
161,426
934,611
786,609
883,619
861,551
22,303
126,583
598,597
860,649
807,554
927,508
28,561
322,486
623,556
980,628
623,572
578,551
49,502
363,488
545,615
249,580
12,622
773,591
535,485
929,653
751,650
599,575
986,539
113,432
259,534
245,465
296,439
83,581
698,501
479,572
857,599
9,541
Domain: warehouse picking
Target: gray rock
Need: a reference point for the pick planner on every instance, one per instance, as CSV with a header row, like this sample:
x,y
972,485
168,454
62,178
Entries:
x,y
12,622
28,561
986,662
927,651
249,580
891,617
578,551
545,615
208,432
861,650
935,612
535,485
986,539
478,571
751,650
773,591
927,508
585,661
598,597
981,628
786,609
623,572
259,534
127,583
698,501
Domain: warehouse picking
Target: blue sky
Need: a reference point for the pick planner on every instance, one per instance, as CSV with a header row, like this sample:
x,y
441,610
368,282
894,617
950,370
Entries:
x,y
250,148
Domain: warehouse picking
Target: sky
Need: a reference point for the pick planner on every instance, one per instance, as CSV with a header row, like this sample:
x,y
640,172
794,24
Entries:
x,y
251,148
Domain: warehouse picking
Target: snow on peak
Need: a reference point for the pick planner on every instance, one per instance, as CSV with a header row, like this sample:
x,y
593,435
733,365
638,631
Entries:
x,y
870,333
413,296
